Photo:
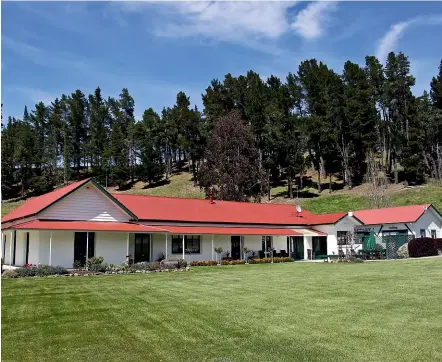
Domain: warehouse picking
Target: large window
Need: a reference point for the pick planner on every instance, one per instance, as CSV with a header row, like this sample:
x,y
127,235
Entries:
x,y
433,234
422,232
343,238
191,242
266,241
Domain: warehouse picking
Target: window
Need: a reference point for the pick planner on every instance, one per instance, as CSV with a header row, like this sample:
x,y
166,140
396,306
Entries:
x,y
343,237
192,242
433,233
266,241
422,233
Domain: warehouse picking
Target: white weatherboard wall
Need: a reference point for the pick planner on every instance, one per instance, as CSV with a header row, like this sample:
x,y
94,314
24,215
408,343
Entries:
x,y
62,247
87,203
112,246
430,220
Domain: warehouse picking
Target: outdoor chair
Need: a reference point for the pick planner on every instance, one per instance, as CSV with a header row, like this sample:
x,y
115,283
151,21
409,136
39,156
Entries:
x,y
284,254
261,254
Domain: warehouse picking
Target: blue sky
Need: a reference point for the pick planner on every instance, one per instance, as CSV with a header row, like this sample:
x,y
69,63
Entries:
x,y
158,49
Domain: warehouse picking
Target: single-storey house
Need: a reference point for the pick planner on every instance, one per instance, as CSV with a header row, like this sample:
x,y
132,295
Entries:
x,y
83,219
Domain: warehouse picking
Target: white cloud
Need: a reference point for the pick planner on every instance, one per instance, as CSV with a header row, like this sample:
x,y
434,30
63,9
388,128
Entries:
x,y
390,40
229,20
311,21
254,24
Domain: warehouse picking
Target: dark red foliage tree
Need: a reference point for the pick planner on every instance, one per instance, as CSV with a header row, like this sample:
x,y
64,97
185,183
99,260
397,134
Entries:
x,y
231,169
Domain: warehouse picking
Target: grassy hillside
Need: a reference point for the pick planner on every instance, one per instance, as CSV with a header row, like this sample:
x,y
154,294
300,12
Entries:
x,y
181,185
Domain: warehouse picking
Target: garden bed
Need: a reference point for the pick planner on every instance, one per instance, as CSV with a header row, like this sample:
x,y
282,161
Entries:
x,y
96,266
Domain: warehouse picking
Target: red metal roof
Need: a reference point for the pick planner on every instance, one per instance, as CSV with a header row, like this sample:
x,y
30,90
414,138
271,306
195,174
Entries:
x,y
36,204
323,219
87,225
192,210
391,215
201,230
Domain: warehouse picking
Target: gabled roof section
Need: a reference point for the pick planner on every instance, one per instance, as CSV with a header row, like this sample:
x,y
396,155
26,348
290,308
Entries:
x,y
325,219
38,204
392,215
154,208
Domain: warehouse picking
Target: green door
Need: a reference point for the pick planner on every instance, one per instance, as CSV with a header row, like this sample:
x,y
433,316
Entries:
x,y
297,247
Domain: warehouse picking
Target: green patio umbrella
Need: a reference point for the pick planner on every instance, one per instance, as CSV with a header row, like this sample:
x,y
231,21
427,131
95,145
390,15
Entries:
x,y
370,243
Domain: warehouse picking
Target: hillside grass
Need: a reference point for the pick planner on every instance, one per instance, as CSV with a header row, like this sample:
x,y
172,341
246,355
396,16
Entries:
x,y
374,311
181,185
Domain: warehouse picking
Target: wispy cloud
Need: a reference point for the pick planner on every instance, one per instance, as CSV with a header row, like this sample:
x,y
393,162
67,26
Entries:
x,y
253,24
390,40
311,22
42,57
35,95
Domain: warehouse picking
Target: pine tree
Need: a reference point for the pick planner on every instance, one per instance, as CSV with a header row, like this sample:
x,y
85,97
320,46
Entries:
x,y
127,124
436,89
147,151
77,120
39,121
24,152
66,138
98,133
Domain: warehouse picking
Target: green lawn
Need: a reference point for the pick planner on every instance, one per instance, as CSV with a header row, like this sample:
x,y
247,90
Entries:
x,y
378,311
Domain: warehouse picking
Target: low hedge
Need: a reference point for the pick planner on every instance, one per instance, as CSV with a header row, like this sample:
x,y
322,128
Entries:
x,y
238,262
420,247
284,259
203,263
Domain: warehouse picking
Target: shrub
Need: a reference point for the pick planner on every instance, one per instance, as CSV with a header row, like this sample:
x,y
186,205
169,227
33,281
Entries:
x,y
420,247
40,271
10,274
147,266
182,264
96,264
77,264
438,243
402,252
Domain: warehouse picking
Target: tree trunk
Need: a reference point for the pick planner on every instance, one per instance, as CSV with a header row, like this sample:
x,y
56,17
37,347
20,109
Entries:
x,y
329,184
268,184
290,184
319,181
194,173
